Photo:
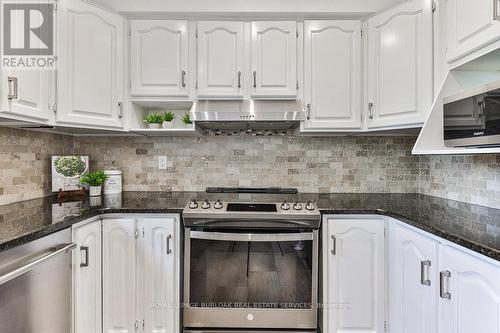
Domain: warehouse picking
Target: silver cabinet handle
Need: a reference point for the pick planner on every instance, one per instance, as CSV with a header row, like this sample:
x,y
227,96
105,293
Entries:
x,y
120,106
239,79
424,272
370,110
169,250
334,245
17,269
183,78
255,79
444,284
13,88
86,250
308,115
496,10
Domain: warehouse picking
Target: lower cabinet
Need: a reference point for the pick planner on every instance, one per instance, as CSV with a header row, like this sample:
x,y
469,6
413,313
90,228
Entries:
x,y
353,274
138,290
413,281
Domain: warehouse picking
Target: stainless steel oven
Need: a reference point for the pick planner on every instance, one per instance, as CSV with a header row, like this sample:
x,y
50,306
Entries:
x,y
251,266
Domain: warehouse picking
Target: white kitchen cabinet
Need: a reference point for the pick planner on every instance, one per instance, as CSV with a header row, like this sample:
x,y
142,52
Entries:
x,y
413,280
90,81
220,59
354,272
332,87
274,59
159,58
399,79
119,269
26,95
469,292
158,269
472,24
87,297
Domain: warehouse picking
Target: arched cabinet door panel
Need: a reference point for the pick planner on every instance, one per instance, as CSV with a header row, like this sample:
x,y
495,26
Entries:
x,y
159,58
220,59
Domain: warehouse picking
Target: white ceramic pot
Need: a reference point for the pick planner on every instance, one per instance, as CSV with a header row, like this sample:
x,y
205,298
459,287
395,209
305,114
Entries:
x,y
153,126
188,125
95,191
113,185
167,124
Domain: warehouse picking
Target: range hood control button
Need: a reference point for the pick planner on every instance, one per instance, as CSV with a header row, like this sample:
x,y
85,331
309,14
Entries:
x,y
205,204
285,206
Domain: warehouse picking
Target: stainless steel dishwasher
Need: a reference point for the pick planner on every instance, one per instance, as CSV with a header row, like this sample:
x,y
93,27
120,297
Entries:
x,y
35,286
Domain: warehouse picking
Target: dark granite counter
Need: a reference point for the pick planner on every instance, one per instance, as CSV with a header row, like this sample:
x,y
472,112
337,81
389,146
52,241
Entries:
x,y
472,226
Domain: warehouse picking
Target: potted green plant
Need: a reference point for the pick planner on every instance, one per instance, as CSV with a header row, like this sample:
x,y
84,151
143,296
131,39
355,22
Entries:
x,y
153,120
186,119
95,181
167,119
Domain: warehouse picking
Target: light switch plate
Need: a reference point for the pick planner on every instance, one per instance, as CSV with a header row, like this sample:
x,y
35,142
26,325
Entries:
x,y
162,162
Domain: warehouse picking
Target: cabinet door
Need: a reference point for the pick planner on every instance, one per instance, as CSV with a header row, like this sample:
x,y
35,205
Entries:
x,y
400,65
274,59
159,284
355,286
220,59
87,278
159,56
332,74
90,66
473,285
413,281
119,246
471,25
26,94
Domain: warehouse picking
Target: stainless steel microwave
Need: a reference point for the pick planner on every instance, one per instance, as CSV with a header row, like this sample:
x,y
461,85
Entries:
x,y
472,119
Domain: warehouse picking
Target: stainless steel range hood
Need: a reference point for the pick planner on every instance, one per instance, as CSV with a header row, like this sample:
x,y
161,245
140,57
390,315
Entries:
x,y
248,114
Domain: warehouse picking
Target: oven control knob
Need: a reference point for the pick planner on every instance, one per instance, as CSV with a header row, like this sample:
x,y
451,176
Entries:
x,y
205,204
297,206
310,206
285,206
193,204
218,204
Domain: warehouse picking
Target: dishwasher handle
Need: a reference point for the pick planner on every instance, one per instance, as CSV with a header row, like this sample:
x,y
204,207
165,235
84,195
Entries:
x,y
21,268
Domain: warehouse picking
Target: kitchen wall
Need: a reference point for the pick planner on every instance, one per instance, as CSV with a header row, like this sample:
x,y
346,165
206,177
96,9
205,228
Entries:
x,y
334,164
25,162
468,178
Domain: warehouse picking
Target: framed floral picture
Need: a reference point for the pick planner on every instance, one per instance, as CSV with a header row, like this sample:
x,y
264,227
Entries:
x,y
66,172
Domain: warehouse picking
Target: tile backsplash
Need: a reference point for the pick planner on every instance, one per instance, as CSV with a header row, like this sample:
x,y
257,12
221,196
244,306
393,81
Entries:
x,y
25,162
319,164
327,164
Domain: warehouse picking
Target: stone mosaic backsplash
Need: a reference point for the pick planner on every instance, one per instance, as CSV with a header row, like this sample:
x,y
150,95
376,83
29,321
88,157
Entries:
x,y
320,164
25,162
313,165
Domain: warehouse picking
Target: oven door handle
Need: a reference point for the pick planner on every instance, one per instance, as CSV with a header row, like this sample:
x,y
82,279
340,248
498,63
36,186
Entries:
x,y
220,221
246,237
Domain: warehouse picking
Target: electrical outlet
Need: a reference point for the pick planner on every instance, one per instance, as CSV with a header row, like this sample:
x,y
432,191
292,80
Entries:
x,y
162,162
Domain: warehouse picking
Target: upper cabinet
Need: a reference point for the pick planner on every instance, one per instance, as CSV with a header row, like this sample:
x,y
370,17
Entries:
x,y
400,64
471,26
90,86
159,58
220,59
332,85
274,59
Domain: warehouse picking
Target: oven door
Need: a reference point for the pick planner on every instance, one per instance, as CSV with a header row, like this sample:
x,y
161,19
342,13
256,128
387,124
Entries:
x,y
243,279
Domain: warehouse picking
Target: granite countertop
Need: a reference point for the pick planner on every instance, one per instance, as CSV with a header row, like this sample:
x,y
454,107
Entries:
x,y
474,227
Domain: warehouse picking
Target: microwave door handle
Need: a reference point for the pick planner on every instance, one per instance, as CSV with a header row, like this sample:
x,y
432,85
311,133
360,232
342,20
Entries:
x,y
249,237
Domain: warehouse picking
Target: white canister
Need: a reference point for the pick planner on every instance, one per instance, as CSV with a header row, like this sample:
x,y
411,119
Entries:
x,y
113,185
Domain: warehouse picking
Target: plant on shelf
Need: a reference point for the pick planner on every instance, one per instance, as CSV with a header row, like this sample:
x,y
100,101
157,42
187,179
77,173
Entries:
x,y
95,181
167,119
153,120
186,119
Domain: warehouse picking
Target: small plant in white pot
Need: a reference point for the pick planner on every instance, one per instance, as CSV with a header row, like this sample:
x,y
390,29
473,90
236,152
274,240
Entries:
x,y
186,119
167,120
95,181
153,120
